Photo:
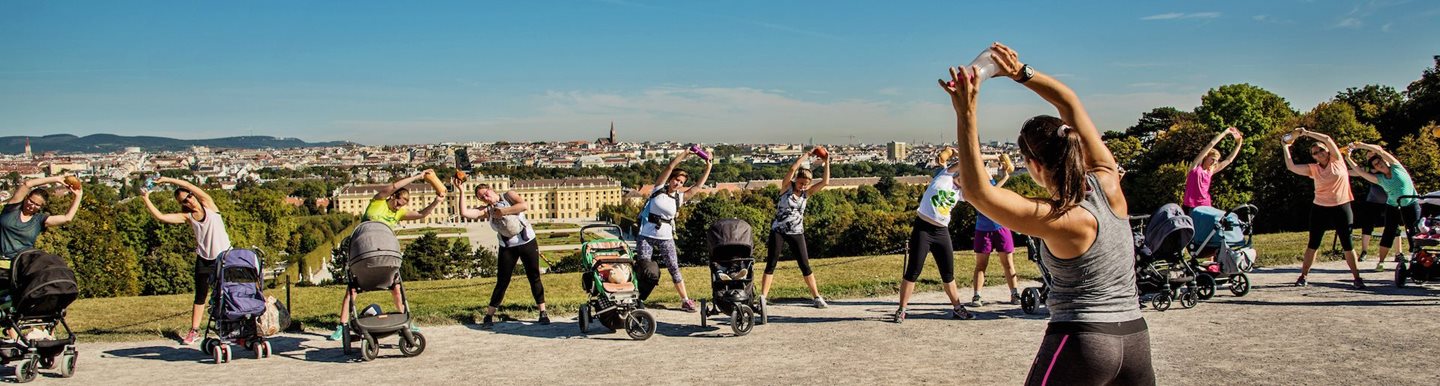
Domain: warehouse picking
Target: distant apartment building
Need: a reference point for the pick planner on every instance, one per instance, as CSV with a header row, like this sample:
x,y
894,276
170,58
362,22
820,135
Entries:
x,y
554,199
895,151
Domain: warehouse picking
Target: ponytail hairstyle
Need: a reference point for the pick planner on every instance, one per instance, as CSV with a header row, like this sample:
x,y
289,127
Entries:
x,y
1056,148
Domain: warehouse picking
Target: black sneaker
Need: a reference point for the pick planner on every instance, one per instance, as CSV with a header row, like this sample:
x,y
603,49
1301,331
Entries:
x,y
544,318
1362,257
962,314
488,323
1359,284
1301,282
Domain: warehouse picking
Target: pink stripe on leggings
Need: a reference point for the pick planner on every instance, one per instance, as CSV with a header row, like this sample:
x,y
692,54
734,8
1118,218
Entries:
x,y
1045,380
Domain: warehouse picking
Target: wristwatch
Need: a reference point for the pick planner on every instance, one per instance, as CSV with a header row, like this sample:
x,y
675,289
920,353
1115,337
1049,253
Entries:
x,y
1026,72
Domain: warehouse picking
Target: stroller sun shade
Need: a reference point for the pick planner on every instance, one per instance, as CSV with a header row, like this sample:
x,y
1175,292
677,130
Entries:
x,y
729,239
374,255
1168,231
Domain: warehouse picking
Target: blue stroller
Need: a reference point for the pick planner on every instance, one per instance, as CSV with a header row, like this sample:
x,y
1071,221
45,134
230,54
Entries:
x,y
236,303
1228,235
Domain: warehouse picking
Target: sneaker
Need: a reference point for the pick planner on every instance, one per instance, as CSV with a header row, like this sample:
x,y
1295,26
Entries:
x,y
1301,282
962,314
190,337
723,276
1359,284
899,316
544,318
337,334
739,275
1014,298
820,303
1380,266
976,302
414,328
688,305
1361,257
488,323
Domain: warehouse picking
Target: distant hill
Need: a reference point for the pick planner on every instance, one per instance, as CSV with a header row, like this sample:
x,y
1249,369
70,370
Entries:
x,y
104,143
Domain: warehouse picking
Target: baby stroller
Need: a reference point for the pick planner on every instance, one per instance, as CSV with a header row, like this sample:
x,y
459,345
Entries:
x,y
1032,298
372,263
1229,236
609,280
1161,270
731,274
236,303
41,287
1421,266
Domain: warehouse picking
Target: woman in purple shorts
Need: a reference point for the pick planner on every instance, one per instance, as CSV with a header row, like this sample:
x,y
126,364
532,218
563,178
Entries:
x,y
994,238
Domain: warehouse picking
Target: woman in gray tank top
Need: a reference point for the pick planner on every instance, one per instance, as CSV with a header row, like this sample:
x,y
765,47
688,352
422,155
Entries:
x,y
788,228
1096,334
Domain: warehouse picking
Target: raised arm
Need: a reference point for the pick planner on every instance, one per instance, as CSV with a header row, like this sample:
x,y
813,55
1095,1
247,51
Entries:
x,y
1005,169
470,213
1384,155
1290,161
205,200
1330,145
1097,156
1239,143
824,181
1357,171
703,177
23,191
517,205
403,182
168,218
1200,157
55,221
794,168
665,176
423,213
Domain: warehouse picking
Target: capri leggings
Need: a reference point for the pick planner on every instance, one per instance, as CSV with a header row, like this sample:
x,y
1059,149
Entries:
x,y
528,255
797,245
648,247
1368,215
204,274
1077,353
1410,214
929,238
1324,218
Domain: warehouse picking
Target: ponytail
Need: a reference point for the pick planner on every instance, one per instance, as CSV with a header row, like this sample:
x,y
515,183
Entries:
x,y
1056,148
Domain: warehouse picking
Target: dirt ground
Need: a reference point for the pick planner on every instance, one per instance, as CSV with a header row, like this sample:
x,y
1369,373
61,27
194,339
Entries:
x,y
1278,334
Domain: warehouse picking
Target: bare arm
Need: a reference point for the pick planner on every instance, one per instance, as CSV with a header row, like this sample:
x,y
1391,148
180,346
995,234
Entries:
x,y
388,190
1290,162
1357,171
517,205
665,176
470,213
1329,144
1239,143
824,181
703,177
1208,147
54,221
794,168
423,213
205,200
24,189
1384,155
168,218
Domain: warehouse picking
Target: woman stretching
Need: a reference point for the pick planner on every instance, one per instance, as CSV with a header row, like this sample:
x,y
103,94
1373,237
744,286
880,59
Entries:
x,y
1096,334
930,233
994,238
522,246
789,227
657,232
1395,179
1206,164
1331,207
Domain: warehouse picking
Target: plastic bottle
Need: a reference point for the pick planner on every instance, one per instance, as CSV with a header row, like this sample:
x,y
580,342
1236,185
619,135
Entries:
x,y
700,152
984,65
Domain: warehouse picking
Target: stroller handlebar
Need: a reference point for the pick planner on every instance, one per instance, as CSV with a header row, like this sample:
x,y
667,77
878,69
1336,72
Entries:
x,y
618,232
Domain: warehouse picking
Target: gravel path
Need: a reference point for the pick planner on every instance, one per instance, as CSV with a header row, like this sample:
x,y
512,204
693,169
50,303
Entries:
x,y
1279,334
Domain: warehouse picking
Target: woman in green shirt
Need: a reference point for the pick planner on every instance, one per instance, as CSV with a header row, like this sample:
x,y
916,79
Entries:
x,y
1392,177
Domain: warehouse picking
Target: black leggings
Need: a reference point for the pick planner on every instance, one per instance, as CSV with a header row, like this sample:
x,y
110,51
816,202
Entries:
x,y
1368,215
528,254
797,244
928,238
1075,353
1410,214
204,274
1324,218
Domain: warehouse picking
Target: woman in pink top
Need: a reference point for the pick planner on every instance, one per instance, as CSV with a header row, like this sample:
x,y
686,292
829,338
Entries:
x,y
1206,164
1331,208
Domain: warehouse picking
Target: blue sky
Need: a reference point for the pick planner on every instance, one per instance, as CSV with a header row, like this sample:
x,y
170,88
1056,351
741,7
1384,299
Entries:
x,y
388,72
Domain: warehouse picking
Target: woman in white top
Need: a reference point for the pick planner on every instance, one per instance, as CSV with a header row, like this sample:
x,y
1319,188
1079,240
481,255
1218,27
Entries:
x,y
657,231
522,245
931,234
198,210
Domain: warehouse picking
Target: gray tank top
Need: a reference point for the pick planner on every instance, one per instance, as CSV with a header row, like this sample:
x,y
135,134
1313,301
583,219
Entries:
x,y
1098,286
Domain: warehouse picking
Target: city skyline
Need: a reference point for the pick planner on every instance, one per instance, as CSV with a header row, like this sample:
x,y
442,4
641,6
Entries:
x,y
746,72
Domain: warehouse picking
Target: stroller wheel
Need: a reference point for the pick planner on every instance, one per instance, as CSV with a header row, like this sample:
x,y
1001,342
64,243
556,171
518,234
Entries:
x,y
639,324
262,349
742,320
67,365
28,369
1161,301
1030,300
1205,286
208,345
764,313
1189,298
369,348
47,363
415,349
1239,284
704,312
584,318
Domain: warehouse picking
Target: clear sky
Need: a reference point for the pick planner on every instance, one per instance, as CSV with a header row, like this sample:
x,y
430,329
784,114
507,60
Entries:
x,y
394,72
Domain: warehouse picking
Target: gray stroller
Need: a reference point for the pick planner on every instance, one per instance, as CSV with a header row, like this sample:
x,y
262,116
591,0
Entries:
x,y
373,264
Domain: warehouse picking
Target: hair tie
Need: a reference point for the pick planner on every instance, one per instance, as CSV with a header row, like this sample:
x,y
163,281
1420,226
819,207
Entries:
x,y
1061,130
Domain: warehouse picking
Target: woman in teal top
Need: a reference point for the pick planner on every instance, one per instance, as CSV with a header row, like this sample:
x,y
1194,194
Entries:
x,y
1392,177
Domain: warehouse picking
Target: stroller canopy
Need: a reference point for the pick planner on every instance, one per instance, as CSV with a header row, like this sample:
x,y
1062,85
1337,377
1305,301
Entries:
x,y
1208,219
43,284
1167,233
374,261
730,239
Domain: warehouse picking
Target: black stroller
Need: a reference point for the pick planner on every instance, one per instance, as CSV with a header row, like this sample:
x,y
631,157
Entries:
x,y
1162,270
1229,236
1420,266
373,264
1032,298
731,274
236,303
41,287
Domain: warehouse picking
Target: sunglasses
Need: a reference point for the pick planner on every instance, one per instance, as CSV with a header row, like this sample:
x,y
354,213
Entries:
x,y
1317,152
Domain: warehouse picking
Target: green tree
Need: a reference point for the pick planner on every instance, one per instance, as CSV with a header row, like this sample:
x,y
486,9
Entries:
x,y
1378,106
426,258
1421,156
1422,106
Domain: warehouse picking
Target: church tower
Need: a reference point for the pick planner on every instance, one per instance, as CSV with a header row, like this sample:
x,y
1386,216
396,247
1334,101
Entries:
x,y
31,156
612,133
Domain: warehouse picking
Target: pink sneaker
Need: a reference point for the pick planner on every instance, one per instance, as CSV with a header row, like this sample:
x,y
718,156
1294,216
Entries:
x,y
688,306
190,338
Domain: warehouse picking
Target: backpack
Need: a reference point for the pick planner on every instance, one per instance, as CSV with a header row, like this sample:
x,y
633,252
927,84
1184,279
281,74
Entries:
x,y
646,217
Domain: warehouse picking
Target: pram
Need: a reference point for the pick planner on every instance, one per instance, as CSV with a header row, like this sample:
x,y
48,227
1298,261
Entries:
x,y
1229,236
1424,244
1032,298
609,281
732,290
1161,269
373,264
236,303
41,287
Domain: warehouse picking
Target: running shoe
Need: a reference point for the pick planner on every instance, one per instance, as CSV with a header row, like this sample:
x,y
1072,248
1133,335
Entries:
x,y
899,316
820,303
544,318
1380,266
1014,298
1301,282
1359,284
688,305
337,334
739,275
190,337
1361,257
488,323
962,314
976,302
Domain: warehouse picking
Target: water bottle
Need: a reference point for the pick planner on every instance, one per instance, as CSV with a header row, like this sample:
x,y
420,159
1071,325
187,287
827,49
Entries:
x,y
700,152
984,65
150,182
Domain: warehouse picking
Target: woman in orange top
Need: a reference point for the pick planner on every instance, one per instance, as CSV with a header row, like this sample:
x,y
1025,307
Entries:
x,y
1331,207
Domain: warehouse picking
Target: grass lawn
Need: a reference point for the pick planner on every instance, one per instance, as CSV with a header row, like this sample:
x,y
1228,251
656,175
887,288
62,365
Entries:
x,y
421,231
316,258
554,225
461,301
565,238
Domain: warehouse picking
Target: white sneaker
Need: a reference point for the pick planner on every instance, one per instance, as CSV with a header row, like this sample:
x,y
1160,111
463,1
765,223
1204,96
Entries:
x,y
975,302
820,303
